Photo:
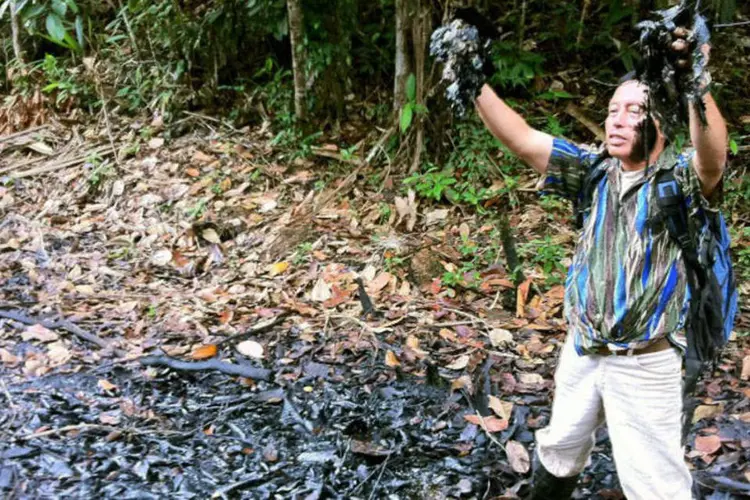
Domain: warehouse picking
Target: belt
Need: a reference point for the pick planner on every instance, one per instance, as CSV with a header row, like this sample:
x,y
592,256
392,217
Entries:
x,y
660,345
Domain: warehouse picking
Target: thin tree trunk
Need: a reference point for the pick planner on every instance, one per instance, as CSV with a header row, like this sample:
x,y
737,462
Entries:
x,y
522,25
16,33
419,36
298,65
402,53
584,14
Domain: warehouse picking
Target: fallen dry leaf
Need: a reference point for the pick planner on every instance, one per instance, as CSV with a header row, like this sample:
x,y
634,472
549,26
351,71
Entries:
x,y
251,349
463,382
110,417
707,411
205,351
201,157
321,291
491,423
460,363
278,268
500,337
161,257
58,354
211,236
502,409
7,358
522,296
106,385
530,378
391,359
40,333
338,297
518,457
412,342
745,368
707,444
380,282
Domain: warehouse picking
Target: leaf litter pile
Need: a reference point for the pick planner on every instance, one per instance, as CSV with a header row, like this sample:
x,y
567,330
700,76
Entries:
x,y
195,314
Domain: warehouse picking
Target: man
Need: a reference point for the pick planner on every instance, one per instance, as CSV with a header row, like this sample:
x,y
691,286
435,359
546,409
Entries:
x,y
625,295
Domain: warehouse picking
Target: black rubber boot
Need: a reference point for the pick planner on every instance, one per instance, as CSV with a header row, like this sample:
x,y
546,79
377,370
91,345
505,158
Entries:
x,y
545,486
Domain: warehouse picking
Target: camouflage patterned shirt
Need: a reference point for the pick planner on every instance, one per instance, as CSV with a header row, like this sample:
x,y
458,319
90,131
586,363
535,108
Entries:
x,y
626,286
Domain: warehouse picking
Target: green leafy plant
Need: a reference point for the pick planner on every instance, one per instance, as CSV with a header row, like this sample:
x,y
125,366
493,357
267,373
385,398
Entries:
x,y
411,107
433,184
59,21
64,83
548,255
302,253
515,67
197,210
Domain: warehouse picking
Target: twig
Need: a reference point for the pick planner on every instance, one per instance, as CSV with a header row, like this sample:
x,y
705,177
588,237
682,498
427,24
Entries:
x,y
207,365
68,428
576,113
255,330
104,151
731,25
7,394
317,151
489,434
211,119
21,133
222,492
380,476
63,324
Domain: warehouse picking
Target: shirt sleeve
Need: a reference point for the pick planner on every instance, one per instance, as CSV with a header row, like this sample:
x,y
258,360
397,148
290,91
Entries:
x,y
568,166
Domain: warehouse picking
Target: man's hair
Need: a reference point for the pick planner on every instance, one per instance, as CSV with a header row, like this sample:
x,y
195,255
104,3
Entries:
x,y
630,76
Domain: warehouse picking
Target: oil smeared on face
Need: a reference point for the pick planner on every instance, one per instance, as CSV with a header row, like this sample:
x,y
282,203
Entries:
x,y
671,89
462,51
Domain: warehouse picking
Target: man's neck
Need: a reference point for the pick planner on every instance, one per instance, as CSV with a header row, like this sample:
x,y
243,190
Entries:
x,y
630,166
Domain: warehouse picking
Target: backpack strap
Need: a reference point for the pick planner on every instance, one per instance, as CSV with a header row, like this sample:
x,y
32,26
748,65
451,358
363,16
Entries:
x,y
672,207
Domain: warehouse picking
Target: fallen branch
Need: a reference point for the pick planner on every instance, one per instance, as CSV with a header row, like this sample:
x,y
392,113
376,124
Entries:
x,y
207,365
222,492
576,113
59,165
21,133
62,324
69,428
263,327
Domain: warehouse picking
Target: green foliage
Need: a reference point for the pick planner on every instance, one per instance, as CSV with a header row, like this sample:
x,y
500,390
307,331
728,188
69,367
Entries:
x,y
514,67
433,184
99,171
64,83
59,21
197,210
548,255
470,168
302,253
411,107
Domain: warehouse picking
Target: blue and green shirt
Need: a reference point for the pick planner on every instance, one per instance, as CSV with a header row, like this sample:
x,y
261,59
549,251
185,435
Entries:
x,y
626,286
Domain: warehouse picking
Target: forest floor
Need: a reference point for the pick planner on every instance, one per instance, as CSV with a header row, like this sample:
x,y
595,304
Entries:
x,y
207,246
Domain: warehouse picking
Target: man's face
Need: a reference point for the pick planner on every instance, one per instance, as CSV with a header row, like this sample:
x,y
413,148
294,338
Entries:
x,y
625,116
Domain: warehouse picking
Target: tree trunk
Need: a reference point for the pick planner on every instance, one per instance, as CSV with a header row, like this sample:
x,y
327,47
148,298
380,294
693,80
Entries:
x,y
298,61
16,33
403,66
420,36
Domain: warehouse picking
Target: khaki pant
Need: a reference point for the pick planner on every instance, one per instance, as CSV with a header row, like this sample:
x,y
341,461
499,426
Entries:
x,y
641,398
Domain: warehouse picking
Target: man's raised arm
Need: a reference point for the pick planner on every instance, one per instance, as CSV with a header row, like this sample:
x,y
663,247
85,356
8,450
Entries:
x,y
531,145
710,143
